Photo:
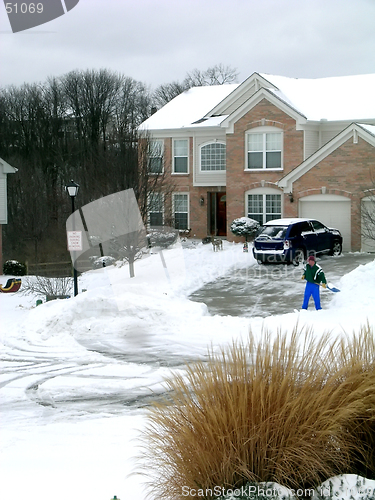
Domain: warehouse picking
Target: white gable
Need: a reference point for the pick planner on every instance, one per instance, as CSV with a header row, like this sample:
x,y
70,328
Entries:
x,y
5,169
352,131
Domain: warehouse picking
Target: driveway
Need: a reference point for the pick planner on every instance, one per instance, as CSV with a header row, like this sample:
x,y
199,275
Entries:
x,y
264,290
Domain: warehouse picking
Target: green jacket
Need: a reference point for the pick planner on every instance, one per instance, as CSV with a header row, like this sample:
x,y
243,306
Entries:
x,y
314,274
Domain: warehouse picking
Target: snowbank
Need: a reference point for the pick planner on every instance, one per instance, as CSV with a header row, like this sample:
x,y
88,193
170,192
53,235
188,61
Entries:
x,y
76,373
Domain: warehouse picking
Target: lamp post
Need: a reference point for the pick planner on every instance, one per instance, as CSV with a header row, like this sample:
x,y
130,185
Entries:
x,y
72,190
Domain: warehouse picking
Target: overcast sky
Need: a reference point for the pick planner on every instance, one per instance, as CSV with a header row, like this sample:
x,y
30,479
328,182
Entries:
x,y
159,41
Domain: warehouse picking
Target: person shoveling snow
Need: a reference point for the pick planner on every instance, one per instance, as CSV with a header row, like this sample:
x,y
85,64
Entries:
x,y
314,276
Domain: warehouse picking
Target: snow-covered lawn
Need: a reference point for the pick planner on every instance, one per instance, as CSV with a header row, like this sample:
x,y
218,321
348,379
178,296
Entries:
x,y
77,374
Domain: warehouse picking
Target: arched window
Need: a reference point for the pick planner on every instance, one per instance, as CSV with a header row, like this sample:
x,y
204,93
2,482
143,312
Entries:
x,y
213,156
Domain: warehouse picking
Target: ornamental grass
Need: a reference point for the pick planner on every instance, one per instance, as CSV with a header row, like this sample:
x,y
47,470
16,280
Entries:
x,y
287,408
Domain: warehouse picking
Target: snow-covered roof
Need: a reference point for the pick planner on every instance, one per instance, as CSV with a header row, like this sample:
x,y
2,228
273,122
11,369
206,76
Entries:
x,y
334,98
369,128
342,98
189,108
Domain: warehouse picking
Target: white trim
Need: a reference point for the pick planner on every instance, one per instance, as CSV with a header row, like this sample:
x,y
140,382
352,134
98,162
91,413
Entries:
x,y
256,99
6,168
287,181
325,197
255,79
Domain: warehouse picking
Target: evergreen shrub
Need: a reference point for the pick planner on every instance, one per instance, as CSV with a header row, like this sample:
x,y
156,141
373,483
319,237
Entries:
x,y
244,226
15,268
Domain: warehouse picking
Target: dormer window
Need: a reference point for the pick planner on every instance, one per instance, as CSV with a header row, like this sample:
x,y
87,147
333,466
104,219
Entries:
x,y
264,150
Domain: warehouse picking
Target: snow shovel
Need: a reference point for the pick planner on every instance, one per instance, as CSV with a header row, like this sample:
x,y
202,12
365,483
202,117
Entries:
x,y
330,287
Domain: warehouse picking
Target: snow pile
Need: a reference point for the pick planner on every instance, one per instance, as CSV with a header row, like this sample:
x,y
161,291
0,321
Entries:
x,y
357,290
77,373
339,487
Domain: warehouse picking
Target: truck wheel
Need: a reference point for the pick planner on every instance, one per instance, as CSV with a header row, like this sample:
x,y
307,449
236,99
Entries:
x,y
299,257
336,248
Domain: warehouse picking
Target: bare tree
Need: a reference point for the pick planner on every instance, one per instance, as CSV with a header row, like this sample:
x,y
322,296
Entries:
x,y
168,91
154,183
131,247
215,75
52,287
368,215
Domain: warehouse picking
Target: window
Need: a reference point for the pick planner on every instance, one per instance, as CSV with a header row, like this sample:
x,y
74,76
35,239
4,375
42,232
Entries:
x,y
155,209
156,157
298,229
264,207
318,226
264,150
181,210
180,156
213,156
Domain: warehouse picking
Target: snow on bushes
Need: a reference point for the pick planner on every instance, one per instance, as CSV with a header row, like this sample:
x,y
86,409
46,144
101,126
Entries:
x,y
244,226
15,268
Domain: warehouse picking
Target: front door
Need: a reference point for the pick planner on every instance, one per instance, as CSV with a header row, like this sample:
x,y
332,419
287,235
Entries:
x,y
217,216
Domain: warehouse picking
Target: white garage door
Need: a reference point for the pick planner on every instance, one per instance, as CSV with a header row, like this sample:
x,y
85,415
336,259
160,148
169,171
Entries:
x,y
332,210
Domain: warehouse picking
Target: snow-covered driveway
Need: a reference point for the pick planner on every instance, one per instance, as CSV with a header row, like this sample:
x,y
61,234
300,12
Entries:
x,y
76,374
266,290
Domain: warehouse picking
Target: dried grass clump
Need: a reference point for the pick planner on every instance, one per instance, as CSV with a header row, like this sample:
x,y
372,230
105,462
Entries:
x,y
294,411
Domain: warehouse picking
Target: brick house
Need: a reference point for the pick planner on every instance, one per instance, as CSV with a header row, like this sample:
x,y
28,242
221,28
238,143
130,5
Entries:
x,y
267,148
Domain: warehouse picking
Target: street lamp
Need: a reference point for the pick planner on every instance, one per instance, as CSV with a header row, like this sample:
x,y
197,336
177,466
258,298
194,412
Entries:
x,y
72,190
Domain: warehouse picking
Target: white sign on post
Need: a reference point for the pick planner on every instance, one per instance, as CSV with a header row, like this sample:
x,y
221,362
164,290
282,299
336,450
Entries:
x,y
74,241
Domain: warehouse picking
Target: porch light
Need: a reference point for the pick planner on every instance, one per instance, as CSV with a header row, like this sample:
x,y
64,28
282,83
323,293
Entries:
x,y
201,201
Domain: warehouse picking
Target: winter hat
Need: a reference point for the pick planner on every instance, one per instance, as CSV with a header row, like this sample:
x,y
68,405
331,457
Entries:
x,y
311,258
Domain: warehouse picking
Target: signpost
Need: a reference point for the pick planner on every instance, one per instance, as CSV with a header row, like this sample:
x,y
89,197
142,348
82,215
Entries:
x,y
74,241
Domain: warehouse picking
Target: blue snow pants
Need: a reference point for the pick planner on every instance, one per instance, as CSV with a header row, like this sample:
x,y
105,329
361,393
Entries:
x,y
311,289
